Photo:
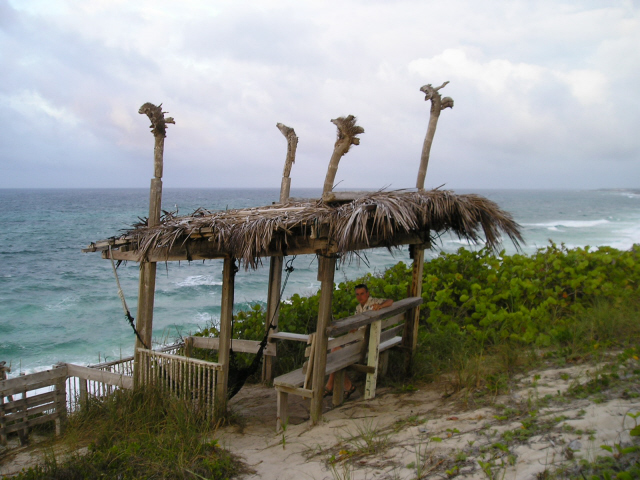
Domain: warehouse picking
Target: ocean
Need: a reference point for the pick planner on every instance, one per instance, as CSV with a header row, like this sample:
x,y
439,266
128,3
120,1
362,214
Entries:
x,y
59,304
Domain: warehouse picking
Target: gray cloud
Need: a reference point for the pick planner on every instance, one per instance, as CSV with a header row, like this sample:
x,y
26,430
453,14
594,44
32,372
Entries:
x,y
545,93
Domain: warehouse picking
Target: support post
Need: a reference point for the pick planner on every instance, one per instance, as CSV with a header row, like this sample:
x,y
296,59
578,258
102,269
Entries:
x,y
84,393
412,318
372,361
275,263
437,105
147,285
61,405
226,317
326,272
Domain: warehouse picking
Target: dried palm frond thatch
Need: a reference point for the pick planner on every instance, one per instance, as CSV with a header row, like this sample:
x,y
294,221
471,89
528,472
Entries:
x,y
248,234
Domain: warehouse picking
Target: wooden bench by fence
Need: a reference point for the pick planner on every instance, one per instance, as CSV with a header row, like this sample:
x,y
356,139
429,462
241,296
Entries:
x,y
381,333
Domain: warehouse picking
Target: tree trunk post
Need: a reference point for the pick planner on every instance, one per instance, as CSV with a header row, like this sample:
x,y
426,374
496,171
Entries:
x,y
412,318
347,131
226,317
275,263
147,285
437,105
326,272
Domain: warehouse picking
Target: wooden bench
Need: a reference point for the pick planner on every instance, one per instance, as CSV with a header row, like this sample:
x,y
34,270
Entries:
x,y
383,331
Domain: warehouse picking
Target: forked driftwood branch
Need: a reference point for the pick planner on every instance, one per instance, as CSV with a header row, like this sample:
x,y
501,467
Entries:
x,y
347,131
292,145
437,105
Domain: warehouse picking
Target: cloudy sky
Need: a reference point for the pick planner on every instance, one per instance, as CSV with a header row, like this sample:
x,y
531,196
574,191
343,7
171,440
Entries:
x,y
547,93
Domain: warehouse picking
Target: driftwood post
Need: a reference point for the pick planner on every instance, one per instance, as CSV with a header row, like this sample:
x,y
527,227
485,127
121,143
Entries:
x,y
437,105
226,317
275,263
326,272
347,131
410,336
146,289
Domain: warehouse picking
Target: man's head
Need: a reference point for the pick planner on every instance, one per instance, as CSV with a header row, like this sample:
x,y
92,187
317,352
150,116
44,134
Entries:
x,y
362,293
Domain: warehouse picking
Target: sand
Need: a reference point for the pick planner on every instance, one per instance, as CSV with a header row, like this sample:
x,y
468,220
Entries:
x,y
425,433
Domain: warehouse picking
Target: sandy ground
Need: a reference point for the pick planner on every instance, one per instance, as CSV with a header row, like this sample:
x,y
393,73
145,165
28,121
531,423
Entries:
x,y
423,433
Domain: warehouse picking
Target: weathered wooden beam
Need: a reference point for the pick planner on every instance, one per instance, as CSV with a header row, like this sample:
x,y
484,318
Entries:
x,y
102,376
410,335
367,318
372,360
33,381
239,346
326,272
297,337
226,316
296,245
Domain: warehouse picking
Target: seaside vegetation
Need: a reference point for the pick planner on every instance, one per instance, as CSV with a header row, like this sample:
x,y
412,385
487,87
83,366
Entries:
x,y
485,318
138,434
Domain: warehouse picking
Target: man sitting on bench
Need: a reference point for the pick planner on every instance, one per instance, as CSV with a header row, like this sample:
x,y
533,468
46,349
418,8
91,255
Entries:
x,y
365,303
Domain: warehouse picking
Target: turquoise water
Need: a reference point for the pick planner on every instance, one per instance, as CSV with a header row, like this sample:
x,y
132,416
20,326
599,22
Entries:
x,y
59,304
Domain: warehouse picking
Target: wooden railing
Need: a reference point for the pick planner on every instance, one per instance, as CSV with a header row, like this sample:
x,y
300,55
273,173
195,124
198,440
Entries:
x,y
184,377
32,399
47,404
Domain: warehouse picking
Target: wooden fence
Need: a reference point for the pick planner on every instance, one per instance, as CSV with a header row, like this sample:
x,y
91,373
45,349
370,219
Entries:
x,y
184,377
33,399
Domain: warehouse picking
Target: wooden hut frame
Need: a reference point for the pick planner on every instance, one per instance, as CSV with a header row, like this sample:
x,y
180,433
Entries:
x,y
332,228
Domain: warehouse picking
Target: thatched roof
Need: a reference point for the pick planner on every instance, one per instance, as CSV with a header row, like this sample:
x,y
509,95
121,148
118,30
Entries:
x,y
372,220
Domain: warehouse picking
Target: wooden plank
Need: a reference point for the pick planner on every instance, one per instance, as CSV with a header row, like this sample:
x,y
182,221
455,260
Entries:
x,y
29,402
390,333
238,346
393,320
292,379
32,381
367,318
392,342
338,363
202,249
301,392
32,422
356,367
22,414
372,360
298,337
108,378
358,335
312,354
178,358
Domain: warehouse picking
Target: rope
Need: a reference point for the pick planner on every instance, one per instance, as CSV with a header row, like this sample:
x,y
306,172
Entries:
x,y
238,377
127,314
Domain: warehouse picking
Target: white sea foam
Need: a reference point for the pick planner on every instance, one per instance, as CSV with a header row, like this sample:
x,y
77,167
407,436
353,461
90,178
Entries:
x,y
64,304
568,224
198,280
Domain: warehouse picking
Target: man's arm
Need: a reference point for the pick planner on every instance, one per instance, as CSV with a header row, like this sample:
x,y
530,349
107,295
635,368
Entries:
x,y
387,303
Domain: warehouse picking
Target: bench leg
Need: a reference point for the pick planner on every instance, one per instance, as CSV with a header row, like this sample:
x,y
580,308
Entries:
x,y
283,411
338,388
383,364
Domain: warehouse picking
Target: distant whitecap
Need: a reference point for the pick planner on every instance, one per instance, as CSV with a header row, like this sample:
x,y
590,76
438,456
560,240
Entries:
x,y
198,280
